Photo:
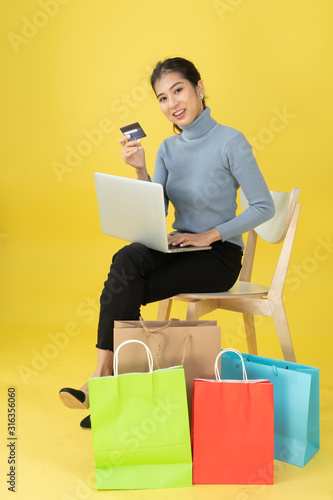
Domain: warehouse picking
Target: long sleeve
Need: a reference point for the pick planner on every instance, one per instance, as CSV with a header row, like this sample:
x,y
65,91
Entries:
x,y
161,175
243,166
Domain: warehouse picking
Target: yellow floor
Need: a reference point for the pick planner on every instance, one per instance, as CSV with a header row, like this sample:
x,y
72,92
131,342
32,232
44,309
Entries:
x,y
54,456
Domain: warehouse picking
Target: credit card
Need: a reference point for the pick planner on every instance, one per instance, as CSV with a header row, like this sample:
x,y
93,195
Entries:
x,y
134,130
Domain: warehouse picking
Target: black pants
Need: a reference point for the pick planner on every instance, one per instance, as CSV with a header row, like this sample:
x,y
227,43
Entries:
x,y
139,275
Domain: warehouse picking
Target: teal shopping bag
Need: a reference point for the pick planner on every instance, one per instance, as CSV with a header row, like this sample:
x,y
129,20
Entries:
x,y
296,403
140,428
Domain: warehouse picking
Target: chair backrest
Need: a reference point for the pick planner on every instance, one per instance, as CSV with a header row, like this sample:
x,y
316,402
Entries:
x,y
274,230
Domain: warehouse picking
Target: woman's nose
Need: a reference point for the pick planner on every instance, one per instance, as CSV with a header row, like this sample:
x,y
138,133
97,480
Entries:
x,y
172,101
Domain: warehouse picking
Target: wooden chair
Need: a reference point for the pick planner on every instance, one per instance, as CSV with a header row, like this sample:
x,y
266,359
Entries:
x,y
251,298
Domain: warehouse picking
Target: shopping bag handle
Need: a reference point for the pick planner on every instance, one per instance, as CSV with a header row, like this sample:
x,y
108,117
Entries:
x,y
151,332
115,359
217,373
157,329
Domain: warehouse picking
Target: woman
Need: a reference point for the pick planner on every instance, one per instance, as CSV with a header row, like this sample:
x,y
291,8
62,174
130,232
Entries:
x,y
200,169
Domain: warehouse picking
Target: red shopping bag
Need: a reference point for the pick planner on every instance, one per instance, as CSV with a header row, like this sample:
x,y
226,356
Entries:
x,y
233,430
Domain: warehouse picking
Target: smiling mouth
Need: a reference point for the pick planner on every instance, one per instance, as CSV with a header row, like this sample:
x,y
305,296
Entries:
x,y
179,113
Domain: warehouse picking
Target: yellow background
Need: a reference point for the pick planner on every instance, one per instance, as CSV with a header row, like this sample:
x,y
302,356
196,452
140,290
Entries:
x,y
71,67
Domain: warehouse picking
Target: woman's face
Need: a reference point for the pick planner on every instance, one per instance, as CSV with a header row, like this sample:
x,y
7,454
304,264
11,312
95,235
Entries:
x,y
179,100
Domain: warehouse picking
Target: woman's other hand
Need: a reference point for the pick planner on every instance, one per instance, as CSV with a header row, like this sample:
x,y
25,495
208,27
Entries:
x,y
134,155
195,240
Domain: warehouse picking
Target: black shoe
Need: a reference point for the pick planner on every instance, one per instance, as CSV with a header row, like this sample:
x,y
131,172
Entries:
x,y
73,398
86,423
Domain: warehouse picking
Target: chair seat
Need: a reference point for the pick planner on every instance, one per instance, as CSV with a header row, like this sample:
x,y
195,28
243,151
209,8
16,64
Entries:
x,y
239,288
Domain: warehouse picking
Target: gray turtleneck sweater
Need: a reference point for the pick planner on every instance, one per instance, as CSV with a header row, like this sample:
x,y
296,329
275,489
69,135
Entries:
x,y
201,170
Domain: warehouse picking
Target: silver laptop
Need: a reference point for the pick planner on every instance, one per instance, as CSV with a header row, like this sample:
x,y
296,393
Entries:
x,y
134,211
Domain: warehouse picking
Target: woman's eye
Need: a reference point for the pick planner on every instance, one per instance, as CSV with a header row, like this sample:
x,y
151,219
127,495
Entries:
x,y
178,90
162,99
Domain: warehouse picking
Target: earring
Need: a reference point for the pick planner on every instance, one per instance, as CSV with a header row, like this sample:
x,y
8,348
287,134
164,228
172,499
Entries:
x,y
202,98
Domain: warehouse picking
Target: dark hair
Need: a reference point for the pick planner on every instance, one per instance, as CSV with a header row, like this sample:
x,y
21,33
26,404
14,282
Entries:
x,y
184,67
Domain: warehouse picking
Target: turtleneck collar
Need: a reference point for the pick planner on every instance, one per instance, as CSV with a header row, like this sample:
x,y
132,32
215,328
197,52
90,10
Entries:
x,y
200,126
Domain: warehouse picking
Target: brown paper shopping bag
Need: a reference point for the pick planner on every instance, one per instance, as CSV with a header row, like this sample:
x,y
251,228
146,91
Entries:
x,y
193,344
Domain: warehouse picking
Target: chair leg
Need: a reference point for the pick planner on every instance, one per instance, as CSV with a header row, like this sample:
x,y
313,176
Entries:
x,y
282,328
164,309
192,313
250,331
198,308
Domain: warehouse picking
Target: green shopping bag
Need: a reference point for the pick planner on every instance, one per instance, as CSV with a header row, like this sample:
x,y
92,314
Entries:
x,y
140,428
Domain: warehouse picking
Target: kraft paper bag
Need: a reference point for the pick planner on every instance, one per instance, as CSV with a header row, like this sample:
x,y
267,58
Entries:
x,y
140,428
296,403
193,344
233,430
